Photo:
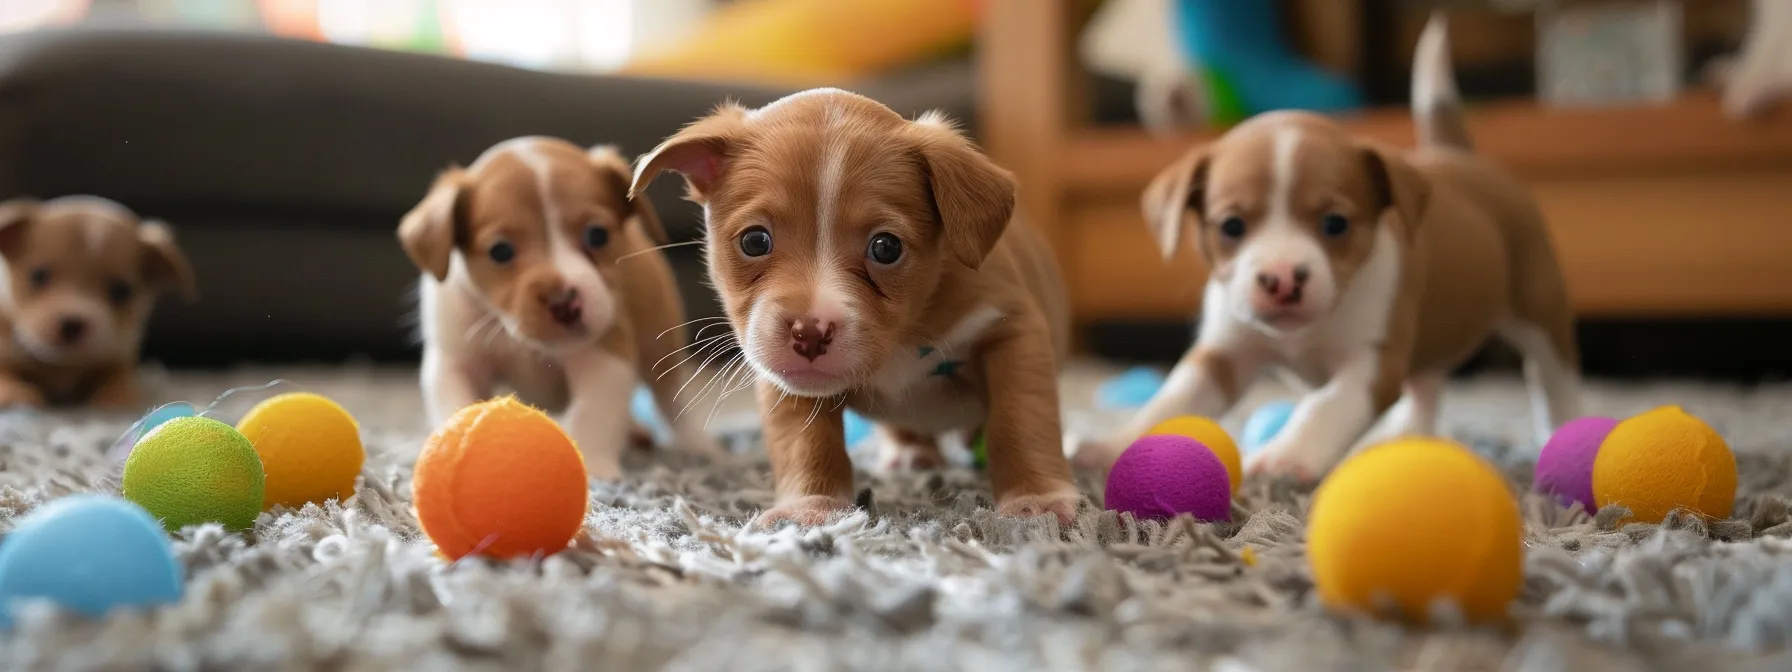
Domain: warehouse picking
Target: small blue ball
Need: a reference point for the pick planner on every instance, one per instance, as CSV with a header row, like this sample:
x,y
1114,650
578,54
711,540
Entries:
x,y
89,554
646,412
857,428
1131,389
179,409
1265,422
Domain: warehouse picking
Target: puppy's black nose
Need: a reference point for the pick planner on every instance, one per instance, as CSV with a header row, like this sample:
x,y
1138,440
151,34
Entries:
x,y
566,307
71,329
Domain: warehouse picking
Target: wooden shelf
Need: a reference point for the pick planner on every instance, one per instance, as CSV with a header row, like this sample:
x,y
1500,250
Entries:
x,y
1682,134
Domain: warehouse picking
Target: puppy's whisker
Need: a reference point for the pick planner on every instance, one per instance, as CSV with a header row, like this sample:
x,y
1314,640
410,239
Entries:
x,y
727,388
716,342
674,353
700,369
656,249
713,318
700,330
478,326
711,383
814,412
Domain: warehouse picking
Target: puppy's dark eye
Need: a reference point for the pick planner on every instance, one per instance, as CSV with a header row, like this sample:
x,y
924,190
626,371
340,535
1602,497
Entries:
x,y
596,237
756,242
40,276
1334,225
1233,227
501,252
118,291
885,248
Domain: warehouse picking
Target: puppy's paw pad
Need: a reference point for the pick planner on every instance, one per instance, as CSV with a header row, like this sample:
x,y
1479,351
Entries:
x,y
1062,505
806,511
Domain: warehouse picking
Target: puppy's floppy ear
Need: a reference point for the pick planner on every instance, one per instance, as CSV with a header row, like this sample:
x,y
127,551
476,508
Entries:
x,y
973,196
13,215
613,169
165,267
699,152
1397,185
428,231
1177,190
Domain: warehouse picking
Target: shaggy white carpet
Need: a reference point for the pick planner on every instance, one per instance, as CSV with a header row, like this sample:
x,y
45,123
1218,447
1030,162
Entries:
x,y
927,578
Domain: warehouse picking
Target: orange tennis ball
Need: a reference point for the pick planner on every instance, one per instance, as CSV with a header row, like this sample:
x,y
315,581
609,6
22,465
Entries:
x,y
1663,460
1210,434
1403,524
310,447
500,479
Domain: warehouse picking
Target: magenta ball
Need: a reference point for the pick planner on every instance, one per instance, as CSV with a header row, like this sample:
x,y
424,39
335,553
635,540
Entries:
x,y
1164,475
1565,466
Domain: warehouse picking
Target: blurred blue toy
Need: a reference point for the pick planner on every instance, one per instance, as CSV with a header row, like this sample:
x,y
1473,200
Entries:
x,y
646,412
1248,63
857,428
1265,422
1129,390
89,554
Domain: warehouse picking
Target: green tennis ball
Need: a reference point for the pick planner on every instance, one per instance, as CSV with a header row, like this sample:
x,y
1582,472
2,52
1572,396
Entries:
x,y
196,470
979,451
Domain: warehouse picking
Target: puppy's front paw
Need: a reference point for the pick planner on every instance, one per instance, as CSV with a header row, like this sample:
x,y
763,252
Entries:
x,y
893,456
17,394
1279,460
1062,504
603,467
806,511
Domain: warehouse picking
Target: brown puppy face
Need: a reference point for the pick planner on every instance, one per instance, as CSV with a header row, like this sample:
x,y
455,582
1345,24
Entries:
x,y
81,276
530,227
831,221
1288,211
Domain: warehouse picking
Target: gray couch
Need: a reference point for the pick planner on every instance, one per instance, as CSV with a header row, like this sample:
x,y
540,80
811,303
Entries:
x,y
284,166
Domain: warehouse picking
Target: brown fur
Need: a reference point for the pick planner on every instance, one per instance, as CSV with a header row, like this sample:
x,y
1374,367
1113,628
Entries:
x,y
87,261
965,265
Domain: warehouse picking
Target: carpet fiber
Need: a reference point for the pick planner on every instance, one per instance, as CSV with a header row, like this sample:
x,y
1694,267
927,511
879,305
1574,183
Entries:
x,y
664,576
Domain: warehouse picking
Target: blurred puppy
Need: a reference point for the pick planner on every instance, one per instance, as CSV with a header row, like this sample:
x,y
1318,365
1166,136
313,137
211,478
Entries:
x,y
540,274
80,277
1366,273
868,261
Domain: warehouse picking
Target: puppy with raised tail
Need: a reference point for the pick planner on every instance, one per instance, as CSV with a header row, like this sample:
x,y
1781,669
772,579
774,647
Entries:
x,y
541,275
1366,273
869,262
80,277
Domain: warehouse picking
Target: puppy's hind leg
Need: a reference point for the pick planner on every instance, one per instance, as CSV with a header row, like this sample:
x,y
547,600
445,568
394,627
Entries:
x,y
1414,415
1551,371
904,450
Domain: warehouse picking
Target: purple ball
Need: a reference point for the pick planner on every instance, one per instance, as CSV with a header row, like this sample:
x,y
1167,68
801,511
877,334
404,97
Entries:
x,y
1161,476
1565,466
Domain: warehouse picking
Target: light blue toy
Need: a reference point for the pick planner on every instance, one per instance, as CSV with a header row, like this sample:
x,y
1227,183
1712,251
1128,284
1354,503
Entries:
x,y
1265,423
1129,390
646,412
1249,65
89,554
857,429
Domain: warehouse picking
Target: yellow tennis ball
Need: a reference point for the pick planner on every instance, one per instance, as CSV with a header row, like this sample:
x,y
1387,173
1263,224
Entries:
x,y
1210,434
310,447
1663,460
195,470
1403,524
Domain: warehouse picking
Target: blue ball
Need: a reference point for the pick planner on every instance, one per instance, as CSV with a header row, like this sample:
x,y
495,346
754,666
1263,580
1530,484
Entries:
x,y
179,409
857,428
1131,389
89,554
646,412
1265,422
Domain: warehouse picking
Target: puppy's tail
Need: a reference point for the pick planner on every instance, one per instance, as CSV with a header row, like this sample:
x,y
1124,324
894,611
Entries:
x,y
1436,104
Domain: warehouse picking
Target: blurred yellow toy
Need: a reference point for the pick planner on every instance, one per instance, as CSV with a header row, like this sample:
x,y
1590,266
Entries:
x,y
1406,523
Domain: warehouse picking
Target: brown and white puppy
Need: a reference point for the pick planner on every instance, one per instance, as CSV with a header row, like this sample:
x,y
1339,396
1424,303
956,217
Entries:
x,y
80,277
1364,272
540,275
868,261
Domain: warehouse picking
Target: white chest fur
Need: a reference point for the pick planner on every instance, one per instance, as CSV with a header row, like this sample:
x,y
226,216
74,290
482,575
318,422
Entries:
x,y
923,388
